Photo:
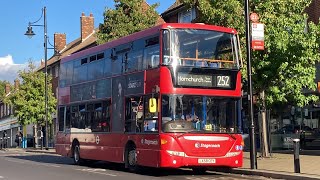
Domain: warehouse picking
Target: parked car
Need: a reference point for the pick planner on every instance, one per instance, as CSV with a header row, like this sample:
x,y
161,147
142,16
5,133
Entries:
x,y
291,129
306,132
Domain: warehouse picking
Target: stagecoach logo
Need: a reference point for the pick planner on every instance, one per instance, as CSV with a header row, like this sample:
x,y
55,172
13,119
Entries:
x,y
97,139
149,142
134,84
203,145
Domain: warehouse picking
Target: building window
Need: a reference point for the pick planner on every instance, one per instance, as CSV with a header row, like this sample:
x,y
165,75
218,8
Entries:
x,y
187,16
56,69
53,72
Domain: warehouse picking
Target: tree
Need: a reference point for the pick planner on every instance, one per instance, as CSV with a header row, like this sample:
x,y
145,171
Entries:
x,y
286,69
129,16
29,100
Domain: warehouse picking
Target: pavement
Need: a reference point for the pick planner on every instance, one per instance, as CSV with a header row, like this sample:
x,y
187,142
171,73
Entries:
x,y
34,150
280,165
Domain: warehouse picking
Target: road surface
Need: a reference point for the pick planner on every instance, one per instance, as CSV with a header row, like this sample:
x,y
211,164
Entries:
x,y
20,165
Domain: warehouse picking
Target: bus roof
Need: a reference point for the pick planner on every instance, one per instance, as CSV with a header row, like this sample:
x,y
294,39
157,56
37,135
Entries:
x,y
198,26
145,33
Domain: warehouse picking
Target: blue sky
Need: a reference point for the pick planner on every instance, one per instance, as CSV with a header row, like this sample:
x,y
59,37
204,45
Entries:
x,y
63,16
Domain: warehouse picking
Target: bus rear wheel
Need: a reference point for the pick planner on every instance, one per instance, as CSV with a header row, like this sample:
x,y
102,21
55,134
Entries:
x,y
76,155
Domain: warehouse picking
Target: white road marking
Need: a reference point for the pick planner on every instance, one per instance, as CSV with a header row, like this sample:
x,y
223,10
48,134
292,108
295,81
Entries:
x,y
97,171
1,177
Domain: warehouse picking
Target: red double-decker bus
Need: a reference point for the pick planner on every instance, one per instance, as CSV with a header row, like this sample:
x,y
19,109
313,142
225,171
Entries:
x,y
167,97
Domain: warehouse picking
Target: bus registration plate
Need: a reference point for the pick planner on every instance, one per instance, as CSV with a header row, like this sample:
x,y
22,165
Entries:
x,y
206,161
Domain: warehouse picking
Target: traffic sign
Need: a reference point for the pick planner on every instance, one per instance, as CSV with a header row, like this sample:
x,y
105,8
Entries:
x,y
254,17
257,32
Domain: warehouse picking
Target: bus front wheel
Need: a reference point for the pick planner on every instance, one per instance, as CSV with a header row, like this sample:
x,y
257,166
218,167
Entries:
x,y
132,160
199,170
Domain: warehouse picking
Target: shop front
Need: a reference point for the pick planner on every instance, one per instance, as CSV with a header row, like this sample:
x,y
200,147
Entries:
x,y
8,129
302,123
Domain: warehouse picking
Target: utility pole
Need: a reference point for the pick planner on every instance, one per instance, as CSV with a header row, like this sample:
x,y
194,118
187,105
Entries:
x,y
30,33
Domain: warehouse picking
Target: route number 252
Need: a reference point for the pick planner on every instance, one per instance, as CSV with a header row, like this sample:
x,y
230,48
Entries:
x,y
223,81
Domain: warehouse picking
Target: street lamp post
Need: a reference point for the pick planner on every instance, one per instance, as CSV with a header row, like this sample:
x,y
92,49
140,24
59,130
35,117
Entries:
x,y
253,158
30,33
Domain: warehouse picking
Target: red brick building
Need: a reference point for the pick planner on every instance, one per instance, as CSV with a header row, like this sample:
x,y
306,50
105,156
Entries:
x,y
178,12
314,11
8,124
62,49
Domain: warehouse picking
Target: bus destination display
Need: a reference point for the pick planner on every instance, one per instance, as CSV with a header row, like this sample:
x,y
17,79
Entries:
x,y
221,81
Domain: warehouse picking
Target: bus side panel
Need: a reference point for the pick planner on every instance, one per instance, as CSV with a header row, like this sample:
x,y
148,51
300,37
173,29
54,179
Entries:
x,y
105,147
111,148
59,146
152,80
63,144
86,143
148,149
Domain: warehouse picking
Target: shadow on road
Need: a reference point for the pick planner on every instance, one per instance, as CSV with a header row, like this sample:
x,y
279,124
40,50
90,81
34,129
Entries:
x,y
146,171
45,158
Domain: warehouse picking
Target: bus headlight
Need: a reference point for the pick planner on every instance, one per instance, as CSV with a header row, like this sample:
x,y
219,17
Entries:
x,y
231,154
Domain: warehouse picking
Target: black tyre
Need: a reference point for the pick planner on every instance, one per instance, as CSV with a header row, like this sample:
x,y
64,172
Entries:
x,y
199,170
132,159
76,155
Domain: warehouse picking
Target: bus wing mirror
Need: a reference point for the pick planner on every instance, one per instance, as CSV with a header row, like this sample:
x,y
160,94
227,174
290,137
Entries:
x,y
240,55
152,105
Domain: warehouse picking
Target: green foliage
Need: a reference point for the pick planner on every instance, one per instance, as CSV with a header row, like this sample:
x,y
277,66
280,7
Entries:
x,y
286,69
129,16
221,13
29,99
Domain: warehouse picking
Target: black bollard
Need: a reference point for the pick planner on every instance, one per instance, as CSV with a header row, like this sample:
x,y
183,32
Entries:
x,y
1,143
4,143
8,139
41,139
296,148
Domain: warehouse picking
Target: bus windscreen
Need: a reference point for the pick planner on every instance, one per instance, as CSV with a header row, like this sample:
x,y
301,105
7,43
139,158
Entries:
x,y
200,48
205,114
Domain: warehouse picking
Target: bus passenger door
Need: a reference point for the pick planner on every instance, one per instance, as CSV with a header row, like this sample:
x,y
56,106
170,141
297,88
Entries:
x,y
134,114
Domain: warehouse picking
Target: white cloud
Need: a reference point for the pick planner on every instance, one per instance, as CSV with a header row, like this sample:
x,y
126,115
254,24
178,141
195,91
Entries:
x,y
8,69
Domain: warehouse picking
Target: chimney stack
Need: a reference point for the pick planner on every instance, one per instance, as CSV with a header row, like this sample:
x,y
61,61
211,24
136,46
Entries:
x,y
59,41
16,84
42,62
87,26
7,90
